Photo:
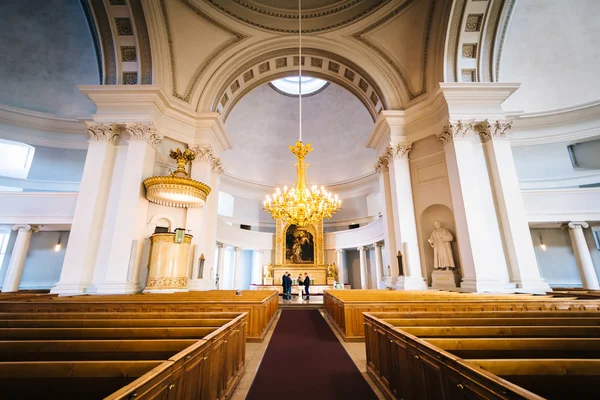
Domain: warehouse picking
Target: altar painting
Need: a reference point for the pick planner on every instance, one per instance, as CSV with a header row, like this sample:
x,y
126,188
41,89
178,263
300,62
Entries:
x,y
299,245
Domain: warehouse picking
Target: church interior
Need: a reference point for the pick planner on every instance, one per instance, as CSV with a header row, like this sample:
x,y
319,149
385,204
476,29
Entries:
x,y
326,199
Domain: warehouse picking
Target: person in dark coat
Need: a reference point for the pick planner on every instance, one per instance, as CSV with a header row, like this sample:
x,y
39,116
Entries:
x,y
306,285
286,285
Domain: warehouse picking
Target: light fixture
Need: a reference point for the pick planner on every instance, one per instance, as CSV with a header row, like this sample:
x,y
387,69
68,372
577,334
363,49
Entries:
x,y
301,205
58,246
177,189
542,245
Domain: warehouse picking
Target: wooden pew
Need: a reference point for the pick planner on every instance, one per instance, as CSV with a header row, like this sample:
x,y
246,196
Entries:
x,y
207,361
345,308
261,306
404,348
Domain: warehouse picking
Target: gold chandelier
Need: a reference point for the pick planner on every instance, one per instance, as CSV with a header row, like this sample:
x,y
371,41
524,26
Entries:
x,y
177,189
301,205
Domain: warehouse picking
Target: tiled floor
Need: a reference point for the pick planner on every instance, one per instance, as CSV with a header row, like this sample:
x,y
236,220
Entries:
x,y
256,351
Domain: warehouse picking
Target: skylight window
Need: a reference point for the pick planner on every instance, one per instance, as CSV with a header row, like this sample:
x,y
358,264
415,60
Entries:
x,y
289,85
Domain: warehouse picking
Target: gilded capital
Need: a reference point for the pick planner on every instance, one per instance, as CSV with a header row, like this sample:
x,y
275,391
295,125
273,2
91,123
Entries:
x,y
143,132
103,133
455,130
495,130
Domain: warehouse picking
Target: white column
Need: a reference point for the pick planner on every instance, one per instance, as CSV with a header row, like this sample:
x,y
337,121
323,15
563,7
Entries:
x,y
378,263
389,228
340,266
18,257
478,234
589,279
195,223
220,263
81,252
236,267
256,267
125,236
406,236
363,267
523,264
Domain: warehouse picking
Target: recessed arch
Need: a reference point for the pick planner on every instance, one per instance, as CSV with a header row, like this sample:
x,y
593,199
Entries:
x,y
316,63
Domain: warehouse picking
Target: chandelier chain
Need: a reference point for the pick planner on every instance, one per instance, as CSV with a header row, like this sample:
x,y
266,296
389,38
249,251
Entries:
x,y
300,68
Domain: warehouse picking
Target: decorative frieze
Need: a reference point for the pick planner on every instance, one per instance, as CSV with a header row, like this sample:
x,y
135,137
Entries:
x,y
143,131
495,130
455,130
99,132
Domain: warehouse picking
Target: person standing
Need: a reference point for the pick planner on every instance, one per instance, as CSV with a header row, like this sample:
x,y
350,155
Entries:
x,y
289,286
284,283
307,285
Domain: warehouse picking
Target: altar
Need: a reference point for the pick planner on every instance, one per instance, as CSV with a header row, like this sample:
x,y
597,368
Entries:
x,y
314,289
300,250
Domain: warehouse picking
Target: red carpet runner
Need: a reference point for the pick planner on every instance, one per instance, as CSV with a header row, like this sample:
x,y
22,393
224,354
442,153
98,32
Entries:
x,y
304,360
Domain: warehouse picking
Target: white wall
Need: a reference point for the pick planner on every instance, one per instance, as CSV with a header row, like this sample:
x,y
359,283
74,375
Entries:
x,y
551,47
54,164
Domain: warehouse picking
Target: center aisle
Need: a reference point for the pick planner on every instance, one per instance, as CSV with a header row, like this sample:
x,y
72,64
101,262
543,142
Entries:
x,y
305,360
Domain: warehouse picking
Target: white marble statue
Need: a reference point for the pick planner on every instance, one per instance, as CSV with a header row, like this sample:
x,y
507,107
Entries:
x,y
440,240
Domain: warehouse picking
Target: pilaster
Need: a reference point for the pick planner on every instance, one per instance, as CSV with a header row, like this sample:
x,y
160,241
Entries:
x,y
523,267
125,222
81,252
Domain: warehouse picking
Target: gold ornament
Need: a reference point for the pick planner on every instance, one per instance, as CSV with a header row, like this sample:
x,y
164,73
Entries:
x,y
177,189
302,205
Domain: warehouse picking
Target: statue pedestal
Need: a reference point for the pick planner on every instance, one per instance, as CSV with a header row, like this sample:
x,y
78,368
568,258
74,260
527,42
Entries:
x,y
447,279
267,281
330,280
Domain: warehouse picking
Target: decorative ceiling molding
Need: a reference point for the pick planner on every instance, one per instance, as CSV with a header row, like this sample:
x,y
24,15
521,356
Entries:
x,y
239,37
280,63
361,37
143,40
475,40
505,18
335,16
106,40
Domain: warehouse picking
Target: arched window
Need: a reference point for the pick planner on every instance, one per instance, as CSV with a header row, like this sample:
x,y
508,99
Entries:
x,y
289,85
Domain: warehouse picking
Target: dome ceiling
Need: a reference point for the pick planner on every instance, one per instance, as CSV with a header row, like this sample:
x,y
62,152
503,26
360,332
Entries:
x,y
264,123
282,15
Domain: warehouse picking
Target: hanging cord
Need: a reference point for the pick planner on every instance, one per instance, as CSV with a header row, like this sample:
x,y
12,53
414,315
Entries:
x,y
300,66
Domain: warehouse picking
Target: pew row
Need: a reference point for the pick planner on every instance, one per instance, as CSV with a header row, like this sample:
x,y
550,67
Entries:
x,y
419,361
345,308
261,306
205,362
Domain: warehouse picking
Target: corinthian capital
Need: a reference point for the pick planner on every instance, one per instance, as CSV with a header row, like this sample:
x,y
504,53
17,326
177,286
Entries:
x,y
143,131
495,130
206,153
455,130
402,151
103,133
383,161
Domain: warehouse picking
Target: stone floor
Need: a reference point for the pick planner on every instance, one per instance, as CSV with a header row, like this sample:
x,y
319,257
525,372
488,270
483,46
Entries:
x,y
256,351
